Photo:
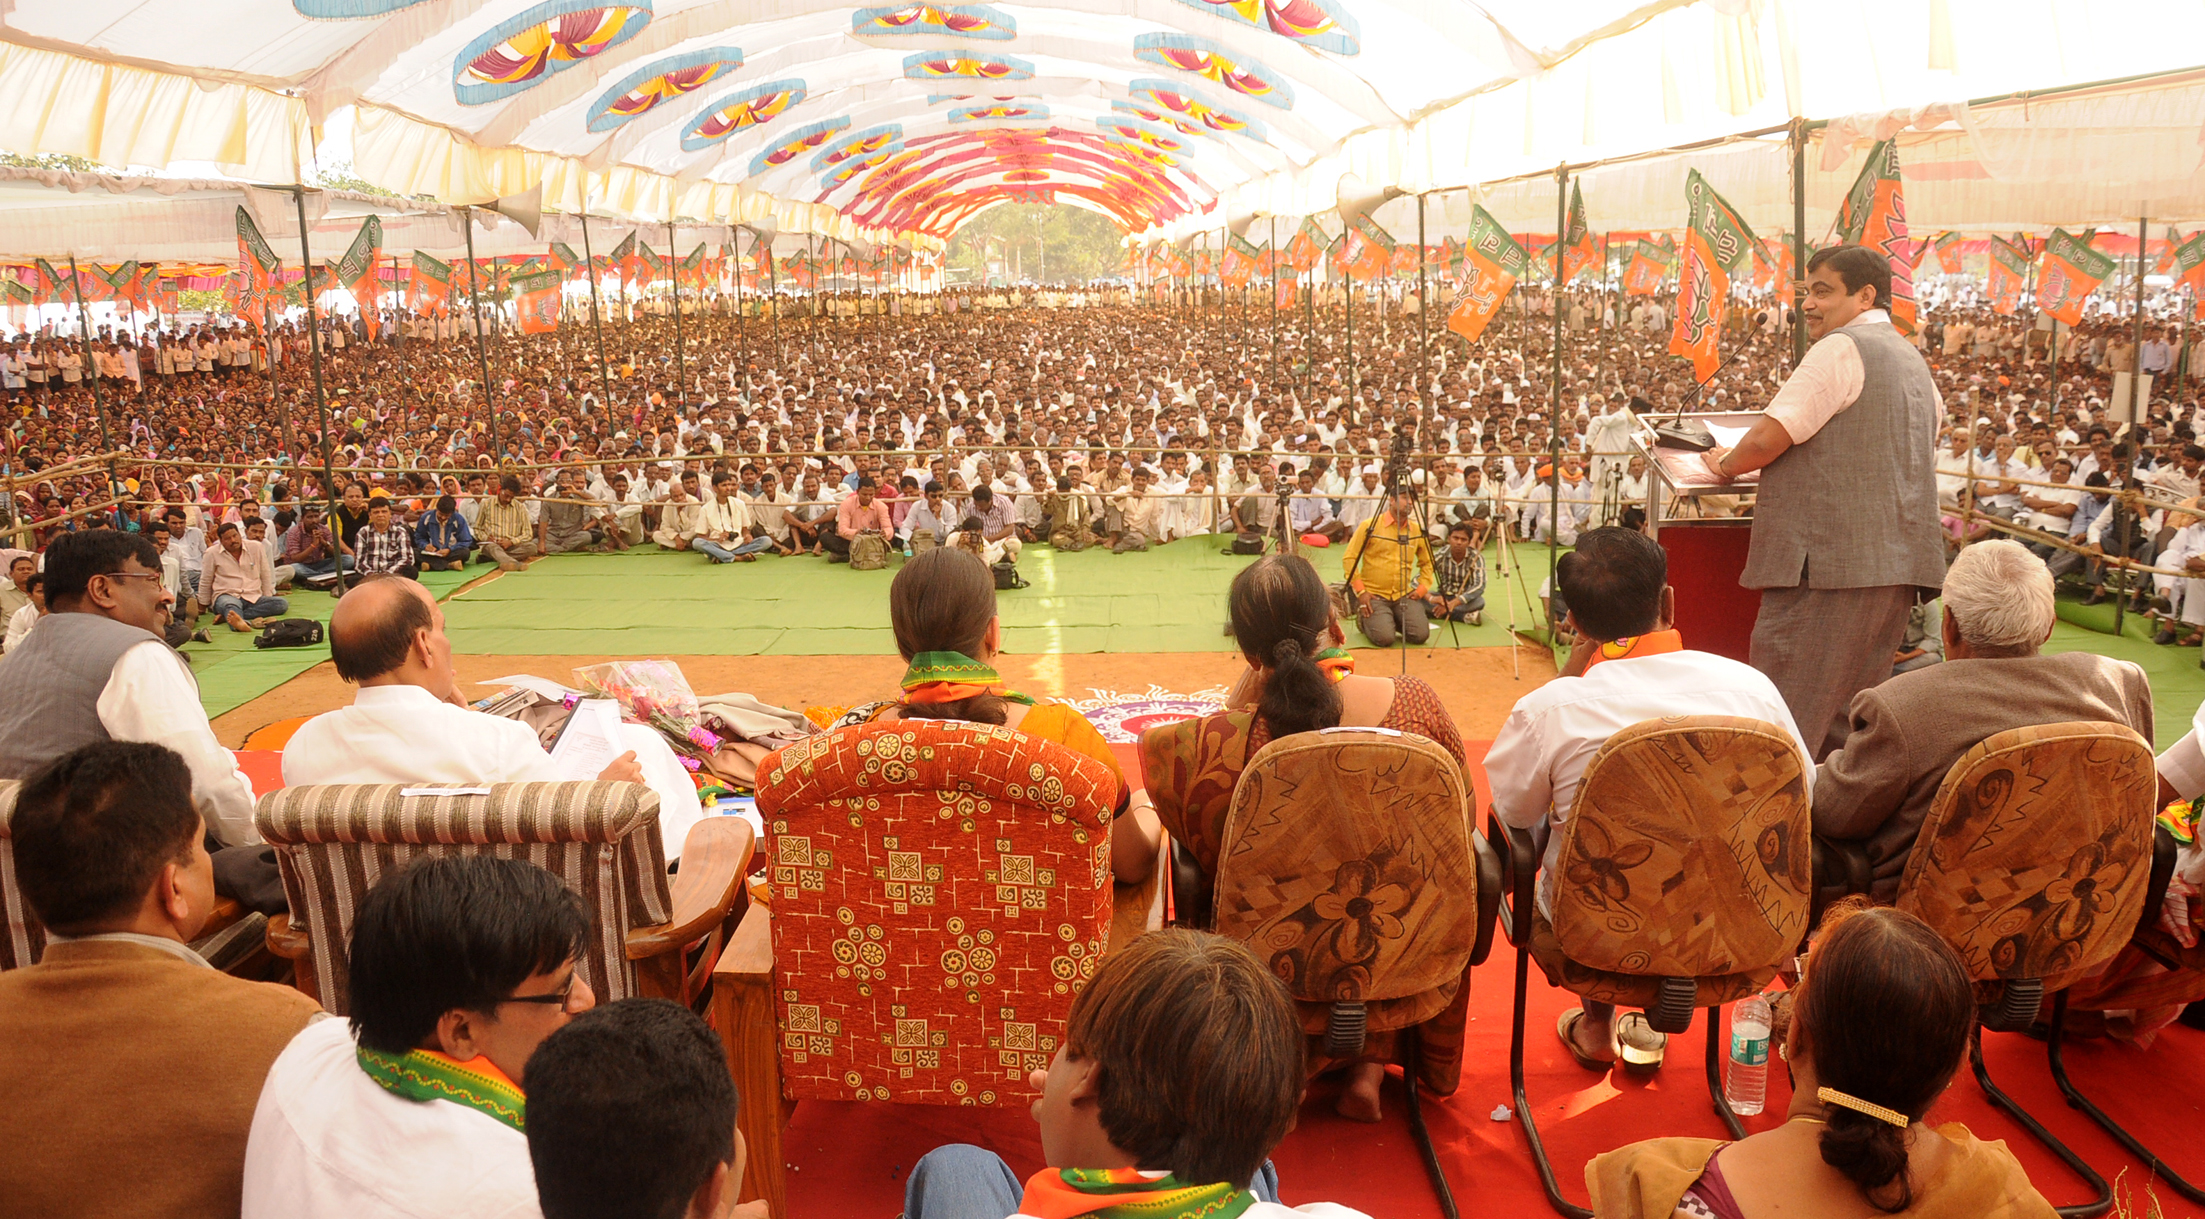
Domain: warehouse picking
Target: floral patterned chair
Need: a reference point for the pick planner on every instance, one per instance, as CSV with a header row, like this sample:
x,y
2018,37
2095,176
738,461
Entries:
x,y
1349,864
2038,863
1682,882
939,890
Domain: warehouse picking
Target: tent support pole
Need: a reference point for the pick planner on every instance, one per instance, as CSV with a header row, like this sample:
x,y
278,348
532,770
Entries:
x,y
92,369
321,392
1799,240
681,367
1423,333
482,345
597,323
1273,245
2136,361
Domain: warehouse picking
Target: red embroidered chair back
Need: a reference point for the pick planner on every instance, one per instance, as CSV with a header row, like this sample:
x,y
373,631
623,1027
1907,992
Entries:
x,y
2036,853
940,891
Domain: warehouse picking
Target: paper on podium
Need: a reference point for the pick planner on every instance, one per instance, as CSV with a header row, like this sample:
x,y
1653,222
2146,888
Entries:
x,y
1684,468
590,741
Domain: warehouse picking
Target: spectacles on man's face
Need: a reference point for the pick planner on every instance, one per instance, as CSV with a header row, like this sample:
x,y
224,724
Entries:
x,y
131,575
562,998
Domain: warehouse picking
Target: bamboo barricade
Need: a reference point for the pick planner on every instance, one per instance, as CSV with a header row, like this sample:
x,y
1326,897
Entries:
x,y
2111,562
31,525
734,455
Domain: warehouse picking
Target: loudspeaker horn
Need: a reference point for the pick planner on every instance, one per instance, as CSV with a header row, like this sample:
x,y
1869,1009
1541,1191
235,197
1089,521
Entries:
x,y
1358,200
525,209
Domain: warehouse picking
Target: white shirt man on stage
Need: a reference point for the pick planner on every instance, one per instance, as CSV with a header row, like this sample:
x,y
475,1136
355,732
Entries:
x,y
408,723
1629,665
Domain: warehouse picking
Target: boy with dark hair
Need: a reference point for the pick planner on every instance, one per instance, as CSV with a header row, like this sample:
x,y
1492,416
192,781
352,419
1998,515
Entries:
x,y
631,1115
1181,1070
459,968
131,1066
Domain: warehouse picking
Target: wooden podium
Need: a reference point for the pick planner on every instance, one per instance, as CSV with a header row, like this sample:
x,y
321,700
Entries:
x,y
1706,554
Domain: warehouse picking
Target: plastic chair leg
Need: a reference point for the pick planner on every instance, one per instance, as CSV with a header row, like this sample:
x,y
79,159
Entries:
x,y
2098,1205
1561,1205
1417,1130
2157,1167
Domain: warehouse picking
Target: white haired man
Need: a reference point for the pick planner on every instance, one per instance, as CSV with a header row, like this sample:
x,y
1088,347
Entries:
x,y
1907,732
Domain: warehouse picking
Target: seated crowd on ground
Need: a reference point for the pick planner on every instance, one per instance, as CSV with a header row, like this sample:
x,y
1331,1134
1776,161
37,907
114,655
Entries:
x,y
475,1072
1113,425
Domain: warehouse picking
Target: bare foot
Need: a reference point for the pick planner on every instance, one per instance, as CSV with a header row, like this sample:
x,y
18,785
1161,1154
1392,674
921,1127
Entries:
x,y
236,621
1359,1100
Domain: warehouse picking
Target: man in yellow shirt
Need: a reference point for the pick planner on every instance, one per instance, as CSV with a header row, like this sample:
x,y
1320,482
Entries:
x,y
1381,558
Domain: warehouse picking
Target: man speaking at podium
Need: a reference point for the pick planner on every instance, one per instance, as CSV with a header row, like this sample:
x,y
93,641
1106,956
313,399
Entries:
x,y
1845,533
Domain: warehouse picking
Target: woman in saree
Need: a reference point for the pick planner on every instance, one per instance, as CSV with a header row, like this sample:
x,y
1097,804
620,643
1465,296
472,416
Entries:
x,y
941,606
1879,1023
1300,678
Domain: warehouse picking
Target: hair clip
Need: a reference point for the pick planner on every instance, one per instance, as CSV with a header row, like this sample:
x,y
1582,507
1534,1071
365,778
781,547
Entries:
x,y
1831,1096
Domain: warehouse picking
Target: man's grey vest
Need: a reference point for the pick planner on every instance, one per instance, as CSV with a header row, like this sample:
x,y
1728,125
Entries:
x,y
1855,505
50,687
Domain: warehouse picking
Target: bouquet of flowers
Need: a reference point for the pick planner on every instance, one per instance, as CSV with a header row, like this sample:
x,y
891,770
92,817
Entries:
x,y
654,692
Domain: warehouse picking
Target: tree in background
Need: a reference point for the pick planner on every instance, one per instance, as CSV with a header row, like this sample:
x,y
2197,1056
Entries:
x,y
1045,242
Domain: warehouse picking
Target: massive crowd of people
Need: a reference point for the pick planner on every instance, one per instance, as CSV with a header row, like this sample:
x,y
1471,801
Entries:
x,y
980,431
948,420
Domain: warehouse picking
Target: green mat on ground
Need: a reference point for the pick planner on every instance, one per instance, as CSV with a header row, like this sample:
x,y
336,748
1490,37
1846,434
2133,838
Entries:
x,y
649,602
2177,684
232,672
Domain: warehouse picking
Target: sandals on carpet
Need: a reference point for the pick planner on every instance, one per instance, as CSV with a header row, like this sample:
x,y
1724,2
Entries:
x,y
1634,1045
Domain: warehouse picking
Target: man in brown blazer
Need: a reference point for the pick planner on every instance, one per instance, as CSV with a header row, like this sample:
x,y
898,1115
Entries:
x,y
131,1067
1907,732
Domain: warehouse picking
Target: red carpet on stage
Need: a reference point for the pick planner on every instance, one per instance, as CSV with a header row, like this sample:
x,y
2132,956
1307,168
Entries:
x,y
852,1159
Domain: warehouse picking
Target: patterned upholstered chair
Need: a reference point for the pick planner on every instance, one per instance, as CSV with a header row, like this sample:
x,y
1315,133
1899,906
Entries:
x,y
940,889
230,940
1682,882
334,842
1351,867
2037,863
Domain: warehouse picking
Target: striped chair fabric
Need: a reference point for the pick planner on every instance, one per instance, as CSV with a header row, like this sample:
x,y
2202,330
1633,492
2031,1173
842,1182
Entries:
x,y
333,843
26,938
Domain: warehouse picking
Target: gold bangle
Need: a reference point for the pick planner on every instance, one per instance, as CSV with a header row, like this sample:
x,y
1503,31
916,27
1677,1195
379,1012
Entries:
x,y
1831,1096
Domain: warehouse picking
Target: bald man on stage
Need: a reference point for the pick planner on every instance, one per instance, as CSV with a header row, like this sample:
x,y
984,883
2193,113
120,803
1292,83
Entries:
x,y
1845,530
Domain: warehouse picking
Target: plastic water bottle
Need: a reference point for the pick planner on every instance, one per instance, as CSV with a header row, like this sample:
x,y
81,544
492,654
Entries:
x,y
1745,1085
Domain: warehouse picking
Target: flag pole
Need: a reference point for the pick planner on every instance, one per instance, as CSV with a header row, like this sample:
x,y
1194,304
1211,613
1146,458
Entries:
x,y
597,321
2136,357
482,346
1554,404
1423,335
742,338
1799,239
99,400
1273,243
673,263
1309,328
275,397
321,393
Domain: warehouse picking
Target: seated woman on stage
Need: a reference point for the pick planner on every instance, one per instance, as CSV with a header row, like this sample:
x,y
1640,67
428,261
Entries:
x,y
942,608
1299,679
1879,1024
